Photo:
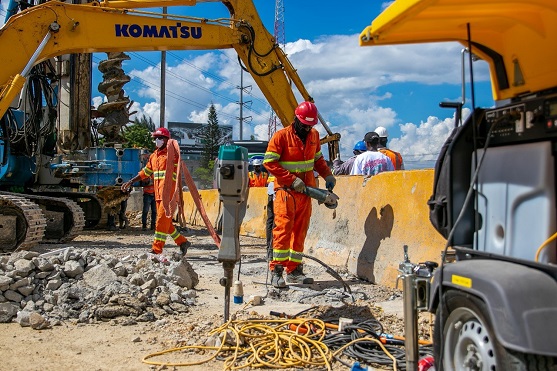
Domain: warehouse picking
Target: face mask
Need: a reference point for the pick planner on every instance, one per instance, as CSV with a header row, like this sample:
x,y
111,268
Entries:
x,y
301,130
159,142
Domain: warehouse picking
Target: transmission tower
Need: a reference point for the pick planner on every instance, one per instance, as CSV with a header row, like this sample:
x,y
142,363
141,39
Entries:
x,y
281,41
243,103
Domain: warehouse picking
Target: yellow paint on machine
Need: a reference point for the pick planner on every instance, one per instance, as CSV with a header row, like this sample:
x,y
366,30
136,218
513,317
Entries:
x,y
366,233
461,281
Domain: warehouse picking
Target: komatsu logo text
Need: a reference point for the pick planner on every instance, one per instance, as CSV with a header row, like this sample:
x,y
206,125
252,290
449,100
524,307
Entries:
x,y
168,32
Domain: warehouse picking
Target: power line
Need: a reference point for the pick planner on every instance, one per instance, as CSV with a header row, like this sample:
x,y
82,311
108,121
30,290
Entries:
x,y
146,60
178,96
216,77
172,94
149,62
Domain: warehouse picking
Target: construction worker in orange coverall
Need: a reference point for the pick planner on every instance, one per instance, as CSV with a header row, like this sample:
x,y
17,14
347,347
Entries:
x,y
257,177
292,155
156,167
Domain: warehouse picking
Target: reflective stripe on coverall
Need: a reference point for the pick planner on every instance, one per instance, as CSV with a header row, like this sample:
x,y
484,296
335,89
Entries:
x,y
287,158
163,228
156,167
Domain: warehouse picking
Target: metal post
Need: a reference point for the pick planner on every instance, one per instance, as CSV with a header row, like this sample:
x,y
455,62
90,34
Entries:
x,y
410,322
409,295
163,83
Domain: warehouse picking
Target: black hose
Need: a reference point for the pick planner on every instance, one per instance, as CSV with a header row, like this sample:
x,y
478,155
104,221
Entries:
x,y
331,272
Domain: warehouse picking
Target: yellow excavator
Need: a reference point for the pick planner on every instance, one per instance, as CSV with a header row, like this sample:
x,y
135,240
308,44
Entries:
x,y
495,196
53,28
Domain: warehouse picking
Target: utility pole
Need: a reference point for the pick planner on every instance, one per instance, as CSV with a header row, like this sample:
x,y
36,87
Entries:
x,y
162,123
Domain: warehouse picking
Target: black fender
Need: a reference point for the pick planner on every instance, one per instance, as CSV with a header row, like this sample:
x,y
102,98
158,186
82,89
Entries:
x,y
521,301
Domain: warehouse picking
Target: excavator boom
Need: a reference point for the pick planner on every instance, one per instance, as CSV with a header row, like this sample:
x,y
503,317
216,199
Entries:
x,y
54,28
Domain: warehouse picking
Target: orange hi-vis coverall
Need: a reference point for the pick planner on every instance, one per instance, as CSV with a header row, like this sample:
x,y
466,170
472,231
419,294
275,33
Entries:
x,y
156,167
258,180
287,157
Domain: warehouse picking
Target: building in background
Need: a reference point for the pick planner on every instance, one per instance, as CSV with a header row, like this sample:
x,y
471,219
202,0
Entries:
x,y
190,137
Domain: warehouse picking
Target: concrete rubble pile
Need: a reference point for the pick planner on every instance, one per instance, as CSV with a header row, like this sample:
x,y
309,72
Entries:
x,y
79,286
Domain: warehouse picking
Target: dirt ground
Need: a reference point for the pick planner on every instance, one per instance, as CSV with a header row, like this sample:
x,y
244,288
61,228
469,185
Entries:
x,y
114,346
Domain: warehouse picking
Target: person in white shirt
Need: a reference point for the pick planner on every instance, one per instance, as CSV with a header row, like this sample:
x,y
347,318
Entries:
x,y
371,162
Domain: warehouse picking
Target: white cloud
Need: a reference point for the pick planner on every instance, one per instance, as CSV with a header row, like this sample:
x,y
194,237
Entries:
x,y
342,77
385,4
422,143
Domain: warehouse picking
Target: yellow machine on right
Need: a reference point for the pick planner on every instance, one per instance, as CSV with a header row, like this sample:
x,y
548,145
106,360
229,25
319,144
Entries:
x,y
494,197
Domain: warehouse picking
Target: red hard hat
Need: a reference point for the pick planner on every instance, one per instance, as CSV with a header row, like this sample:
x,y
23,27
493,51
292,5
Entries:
x,y
306,112
161,132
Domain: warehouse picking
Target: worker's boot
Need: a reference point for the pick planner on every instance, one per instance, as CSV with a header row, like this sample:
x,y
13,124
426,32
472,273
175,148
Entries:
x,y
184,247
276,277
111,223
124,222
298,276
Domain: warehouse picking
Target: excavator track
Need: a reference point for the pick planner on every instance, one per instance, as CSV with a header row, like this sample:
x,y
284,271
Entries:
x,y
64,218
95,214
62,227
30,223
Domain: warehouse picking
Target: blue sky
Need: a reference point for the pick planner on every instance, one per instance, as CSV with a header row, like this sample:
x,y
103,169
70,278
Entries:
x,y
355,88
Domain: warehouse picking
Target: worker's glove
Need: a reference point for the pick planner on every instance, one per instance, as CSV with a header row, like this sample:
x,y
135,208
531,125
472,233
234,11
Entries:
x,y
126,187
330,182
298,185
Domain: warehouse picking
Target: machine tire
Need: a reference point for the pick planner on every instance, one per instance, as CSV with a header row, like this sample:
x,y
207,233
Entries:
x,y
468,340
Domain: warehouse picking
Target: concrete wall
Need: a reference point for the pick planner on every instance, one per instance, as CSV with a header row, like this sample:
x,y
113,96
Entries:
x,y
366,233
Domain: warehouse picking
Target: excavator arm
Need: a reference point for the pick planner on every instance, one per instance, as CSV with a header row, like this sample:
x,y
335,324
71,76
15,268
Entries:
x,y
54,28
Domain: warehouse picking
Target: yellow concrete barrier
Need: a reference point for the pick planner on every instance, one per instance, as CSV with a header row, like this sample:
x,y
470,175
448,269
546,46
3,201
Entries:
x,y
366,233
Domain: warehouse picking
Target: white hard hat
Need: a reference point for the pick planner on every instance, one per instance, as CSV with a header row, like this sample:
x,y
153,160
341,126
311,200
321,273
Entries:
x,y
381,131
257,162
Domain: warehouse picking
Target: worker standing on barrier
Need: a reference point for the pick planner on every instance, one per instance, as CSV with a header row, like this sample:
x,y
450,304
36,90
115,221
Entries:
x,y
292,155
166,157
344,168
371,162
257,177
396,158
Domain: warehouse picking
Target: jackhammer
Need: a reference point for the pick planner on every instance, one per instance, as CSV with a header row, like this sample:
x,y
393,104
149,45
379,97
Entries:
x,y
232,184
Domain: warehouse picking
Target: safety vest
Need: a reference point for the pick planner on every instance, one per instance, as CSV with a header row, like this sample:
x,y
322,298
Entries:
x,y
287,158
396,158
148,186
156,167
258,180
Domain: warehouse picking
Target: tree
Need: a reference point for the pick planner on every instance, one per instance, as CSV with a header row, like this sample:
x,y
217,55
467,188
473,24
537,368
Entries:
x,y
205,175
138,134
211,138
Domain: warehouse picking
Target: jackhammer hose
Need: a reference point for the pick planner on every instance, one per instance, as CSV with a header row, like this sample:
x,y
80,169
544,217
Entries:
x,y
331,272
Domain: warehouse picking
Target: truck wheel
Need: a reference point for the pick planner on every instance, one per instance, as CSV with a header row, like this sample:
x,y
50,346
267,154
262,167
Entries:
x,y
467,340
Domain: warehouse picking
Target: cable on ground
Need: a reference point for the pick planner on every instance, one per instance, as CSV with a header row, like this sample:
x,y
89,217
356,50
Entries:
x,y
359,341
294,342
262,343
